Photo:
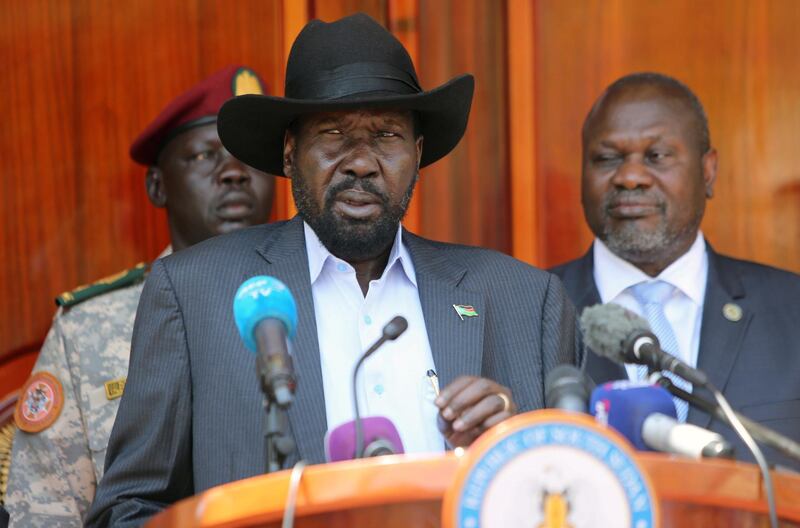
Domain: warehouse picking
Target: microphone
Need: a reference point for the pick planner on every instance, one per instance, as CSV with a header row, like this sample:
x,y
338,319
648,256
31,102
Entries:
x,y
645,415
760,433
622,336
380,436
391,331
266,314
568,388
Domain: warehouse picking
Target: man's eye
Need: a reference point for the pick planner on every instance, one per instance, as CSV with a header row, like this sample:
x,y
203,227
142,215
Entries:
x,y
387,134
604,158
202,156
658,156
333,132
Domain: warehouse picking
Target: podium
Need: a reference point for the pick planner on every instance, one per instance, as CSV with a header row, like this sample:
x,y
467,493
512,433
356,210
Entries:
x,y
412,490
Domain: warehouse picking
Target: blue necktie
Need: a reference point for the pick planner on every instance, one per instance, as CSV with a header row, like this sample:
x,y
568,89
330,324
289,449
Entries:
x,y
652,295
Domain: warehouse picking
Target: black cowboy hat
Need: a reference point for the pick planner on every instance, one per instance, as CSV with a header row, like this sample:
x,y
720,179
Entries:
x,y
351,63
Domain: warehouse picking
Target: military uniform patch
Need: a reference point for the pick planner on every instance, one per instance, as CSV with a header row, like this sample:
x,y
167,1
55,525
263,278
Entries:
x,y
40,403
114,388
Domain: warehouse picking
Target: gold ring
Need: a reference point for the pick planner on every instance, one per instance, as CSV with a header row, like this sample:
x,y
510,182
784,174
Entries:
x,y
506,401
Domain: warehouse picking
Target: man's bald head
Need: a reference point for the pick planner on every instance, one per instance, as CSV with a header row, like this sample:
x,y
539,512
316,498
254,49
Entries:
x,y
648,168
654,85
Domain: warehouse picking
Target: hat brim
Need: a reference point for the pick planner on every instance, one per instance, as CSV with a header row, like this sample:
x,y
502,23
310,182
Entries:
x,y
252,127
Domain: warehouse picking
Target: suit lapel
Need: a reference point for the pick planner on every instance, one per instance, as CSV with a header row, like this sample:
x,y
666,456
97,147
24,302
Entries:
x,y
720,338
580,285
286,255
456,343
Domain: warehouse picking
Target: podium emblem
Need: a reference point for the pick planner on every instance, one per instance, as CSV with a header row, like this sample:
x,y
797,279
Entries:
x,y
548,469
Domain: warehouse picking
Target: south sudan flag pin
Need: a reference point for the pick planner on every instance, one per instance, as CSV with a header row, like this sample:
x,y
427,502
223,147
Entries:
x,y
465,310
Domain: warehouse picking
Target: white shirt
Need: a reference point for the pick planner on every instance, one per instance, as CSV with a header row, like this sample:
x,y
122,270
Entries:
x,y
684,310
392,382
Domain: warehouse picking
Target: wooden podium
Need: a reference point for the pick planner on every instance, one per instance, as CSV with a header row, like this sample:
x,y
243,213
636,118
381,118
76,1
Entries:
x,y
408,490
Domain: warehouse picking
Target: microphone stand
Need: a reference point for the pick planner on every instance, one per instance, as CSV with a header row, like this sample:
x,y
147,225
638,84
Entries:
x,y
391,331
760,433
278,440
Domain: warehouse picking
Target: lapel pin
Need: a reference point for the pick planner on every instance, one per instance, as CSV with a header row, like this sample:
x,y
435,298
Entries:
x,y
732,312
465,310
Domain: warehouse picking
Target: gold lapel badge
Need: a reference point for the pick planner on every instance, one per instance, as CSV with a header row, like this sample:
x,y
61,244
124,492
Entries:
x,y
732,312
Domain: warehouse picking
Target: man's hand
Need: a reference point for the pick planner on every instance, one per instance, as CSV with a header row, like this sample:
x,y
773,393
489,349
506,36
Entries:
x,y
469,406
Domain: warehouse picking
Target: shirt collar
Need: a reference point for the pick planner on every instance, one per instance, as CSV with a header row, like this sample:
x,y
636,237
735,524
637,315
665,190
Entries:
x,y
318,255
613,275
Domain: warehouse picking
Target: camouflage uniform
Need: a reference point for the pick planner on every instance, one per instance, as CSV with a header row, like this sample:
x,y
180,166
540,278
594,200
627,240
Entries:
x,y
54,473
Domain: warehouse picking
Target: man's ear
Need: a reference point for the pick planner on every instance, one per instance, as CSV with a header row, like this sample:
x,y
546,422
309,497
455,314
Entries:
x,y
419,142
154,184
289,145
710,171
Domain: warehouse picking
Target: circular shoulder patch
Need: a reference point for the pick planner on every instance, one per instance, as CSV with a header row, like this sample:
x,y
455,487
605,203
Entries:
x,y
40,403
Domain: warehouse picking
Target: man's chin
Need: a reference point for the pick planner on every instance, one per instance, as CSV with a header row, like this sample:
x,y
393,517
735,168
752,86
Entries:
x,y
356,240
229,226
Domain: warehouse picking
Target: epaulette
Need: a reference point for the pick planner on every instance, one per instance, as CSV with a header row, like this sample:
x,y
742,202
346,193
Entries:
x,y
110,283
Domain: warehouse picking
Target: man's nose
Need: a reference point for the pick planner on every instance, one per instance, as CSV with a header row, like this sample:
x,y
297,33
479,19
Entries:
x,y
231,171
632,174
360,161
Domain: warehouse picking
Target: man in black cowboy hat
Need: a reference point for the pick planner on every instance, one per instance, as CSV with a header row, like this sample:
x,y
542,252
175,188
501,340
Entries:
x,y
350,135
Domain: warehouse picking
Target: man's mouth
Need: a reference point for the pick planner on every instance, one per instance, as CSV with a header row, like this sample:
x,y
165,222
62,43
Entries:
x,y
357,204
631,209
235,207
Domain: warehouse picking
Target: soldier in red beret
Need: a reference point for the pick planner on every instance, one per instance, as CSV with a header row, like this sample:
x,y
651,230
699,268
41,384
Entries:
x,y
68,406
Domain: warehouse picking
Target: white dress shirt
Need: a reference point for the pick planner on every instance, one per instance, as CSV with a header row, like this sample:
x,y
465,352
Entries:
x,y
392,382
684,310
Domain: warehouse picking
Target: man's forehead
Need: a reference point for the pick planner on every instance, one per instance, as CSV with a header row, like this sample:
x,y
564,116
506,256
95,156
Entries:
x,y
649,114
202,134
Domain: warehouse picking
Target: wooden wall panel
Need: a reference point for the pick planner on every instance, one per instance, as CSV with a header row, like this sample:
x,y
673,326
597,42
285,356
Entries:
x,y
80,80
739,56
465,196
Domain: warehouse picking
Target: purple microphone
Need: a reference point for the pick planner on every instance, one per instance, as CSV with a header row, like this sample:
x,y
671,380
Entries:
x,y
380,438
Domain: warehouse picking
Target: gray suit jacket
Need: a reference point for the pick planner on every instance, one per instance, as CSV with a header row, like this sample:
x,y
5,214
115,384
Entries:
x,y
755,361
191,417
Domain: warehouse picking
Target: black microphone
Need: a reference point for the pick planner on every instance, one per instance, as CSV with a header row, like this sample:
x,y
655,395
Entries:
x,y
622,336
391,331
568,388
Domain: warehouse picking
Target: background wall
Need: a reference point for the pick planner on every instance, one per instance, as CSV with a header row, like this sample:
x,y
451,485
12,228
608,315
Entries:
x,y
82,78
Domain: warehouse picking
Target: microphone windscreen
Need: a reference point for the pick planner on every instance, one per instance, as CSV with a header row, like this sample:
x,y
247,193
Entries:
x,y
260,298
606,329
340,442
624,405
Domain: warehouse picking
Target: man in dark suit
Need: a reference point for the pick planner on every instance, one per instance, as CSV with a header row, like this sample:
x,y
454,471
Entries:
x,y
648,168
350,136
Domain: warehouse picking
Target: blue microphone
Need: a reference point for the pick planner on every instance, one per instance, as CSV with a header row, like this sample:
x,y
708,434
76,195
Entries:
x,y
646,416
625,405
266,315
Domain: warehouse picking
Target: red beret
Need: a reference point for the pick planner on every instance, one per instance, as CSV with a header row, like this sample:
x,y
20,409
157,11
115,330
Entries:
x,y
198,106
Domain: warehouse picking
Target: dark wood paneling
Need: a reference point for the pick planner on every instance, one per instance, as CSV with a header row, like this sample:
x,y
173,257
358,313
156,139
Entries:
x,y
739,56
81,79
465,195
